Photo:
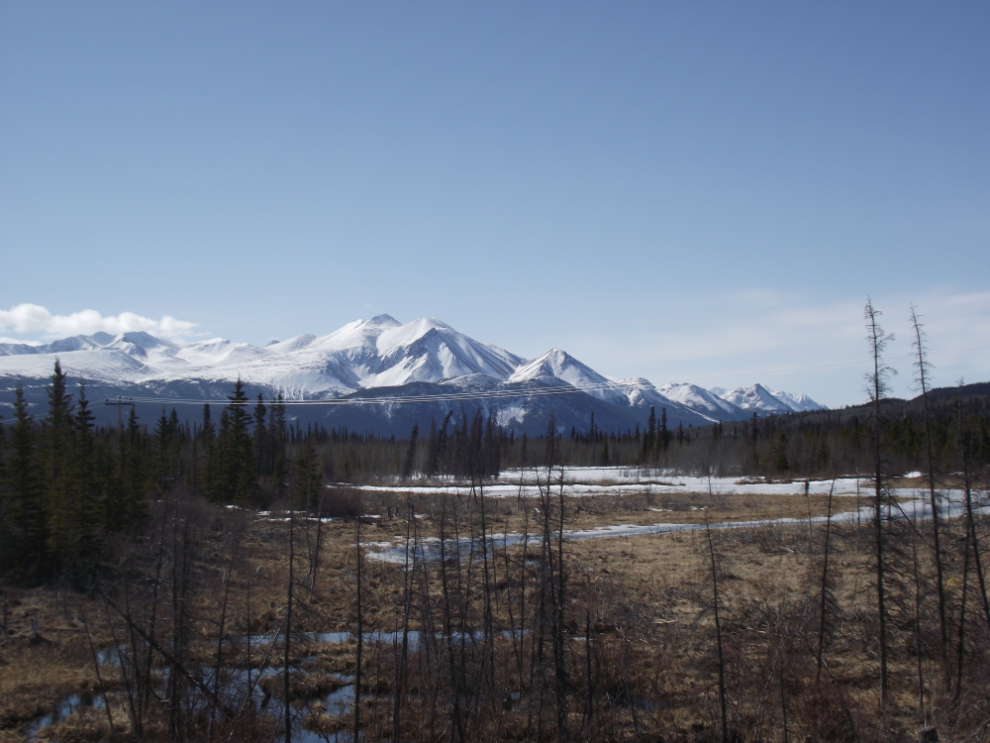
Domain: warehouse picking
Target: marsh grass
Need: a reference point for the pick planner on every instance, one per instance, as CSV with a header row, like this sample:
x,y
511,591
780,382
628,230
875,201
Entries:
x,y
635,629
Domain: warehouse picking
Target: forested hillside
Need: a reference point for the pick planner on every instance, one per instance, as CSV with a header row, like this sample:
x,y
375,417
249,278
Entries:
x,y
68,488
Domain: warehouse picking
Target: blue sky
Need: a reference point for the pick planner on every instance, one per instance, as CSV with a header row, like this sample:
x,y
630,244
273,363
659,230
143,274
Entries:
x,y
701,192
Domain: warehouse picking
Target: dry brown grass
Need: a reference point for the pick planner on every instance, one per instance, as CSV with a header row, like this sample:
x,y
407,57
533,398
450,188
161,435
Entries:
x,y
647,596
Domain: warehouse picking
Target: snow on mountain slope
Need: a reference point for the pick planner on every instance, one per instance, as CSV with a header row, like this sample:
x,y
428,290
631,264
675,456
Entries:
x,y
798,403
76,343
105,365
369,354
700,399
760,399
366,353
641,393
556,367
429,350
757,399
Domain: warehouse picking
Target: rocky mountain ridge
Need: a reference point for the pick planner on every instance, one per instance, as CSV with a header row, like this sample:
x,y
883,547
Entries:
x,y
424,359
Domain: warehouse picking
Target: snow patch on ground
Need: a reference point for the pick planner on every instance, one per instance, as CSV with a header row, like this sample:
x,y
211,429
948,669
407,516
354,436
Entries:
x,y
913,505
624,480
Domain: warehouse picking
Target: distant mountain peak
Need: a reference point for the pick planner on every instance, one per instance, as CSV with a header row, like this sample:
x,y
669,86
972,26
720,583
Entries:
x,y
383,320
384,354
557,364
762,401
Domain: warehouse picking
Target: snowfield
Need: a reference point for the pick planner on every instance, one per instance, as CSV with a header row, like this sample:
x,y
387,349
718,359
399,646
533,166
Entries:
x,y
622,480
618,481
368,354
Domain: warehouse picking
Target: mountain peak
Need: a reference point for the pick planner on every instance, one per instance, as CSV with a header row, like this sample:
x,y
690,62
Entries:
x,y
141,339
557,364
387,320
761,400
376,353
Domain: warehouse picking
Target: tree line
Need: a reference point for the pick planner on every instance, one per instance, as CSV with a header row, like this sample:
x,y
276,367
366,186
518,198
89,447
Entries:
x,y
68,486
530,641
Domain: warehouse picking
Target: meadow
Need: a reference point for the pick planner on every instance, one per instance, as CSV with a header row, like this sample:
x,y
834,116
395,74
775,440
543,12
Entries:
x,y
674,608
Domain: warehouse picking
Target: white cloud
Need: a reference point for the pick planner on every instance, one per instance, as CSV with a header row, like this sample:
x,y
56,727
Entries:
x,y
20,341
33,319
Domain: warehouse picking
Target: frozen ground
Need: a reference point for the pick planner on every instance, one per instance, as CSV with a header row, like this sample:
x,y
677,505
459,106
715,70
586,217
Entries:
x,y
623,480
619,480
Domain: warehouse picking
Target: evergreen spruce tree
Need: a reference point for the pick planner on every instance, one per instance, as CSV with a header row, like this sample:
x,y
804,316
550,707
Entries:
x,y
240,479
474,460
665,434
85,495
208,465
432,451
552,454
306,476
177,430
110,469
492,447
780,461
277,435
57,437
409,465
207,432
443,448
262,454
26,497
137,475
649,438
165,445
219,489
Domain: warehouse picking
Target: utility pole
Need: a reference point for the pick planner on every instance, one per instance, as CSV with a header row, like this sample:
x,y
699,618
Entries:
x,y
119,404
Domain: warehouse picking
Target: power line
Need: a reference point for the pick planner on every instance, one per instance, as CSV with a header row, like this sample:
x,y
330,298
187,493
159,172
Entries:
x,y
462,395
508,393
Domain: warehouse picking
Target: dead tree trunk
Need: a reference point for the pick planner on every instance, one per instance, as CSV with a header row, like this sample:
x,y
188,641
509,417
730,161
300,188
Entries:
x,y
718,633
966,445
400,675
877,389
923,366
360,635
823,608
288,625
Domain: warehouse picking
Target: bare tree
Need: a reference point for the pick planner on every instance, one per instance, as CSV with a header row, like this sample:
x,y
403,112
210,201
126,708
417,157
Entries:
x,y
823,608
923,367
966,445
288,620
718,631
877,389
360,633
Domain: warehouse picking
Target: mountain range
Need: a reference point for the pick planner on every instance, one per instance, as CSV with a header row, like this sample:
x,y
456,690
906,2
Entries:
x,y
379,375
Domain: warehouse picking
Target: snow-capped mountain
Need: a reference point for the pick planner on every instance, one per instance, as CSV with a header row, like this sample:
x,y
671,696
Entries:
x,y
698,398
383,357
798,403
380,352
760,400
559,367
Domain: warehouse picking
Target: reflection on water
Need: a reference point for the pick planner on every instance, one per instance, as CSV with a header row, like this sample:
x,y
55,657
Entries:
x,y
912,505
65,707
338,703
